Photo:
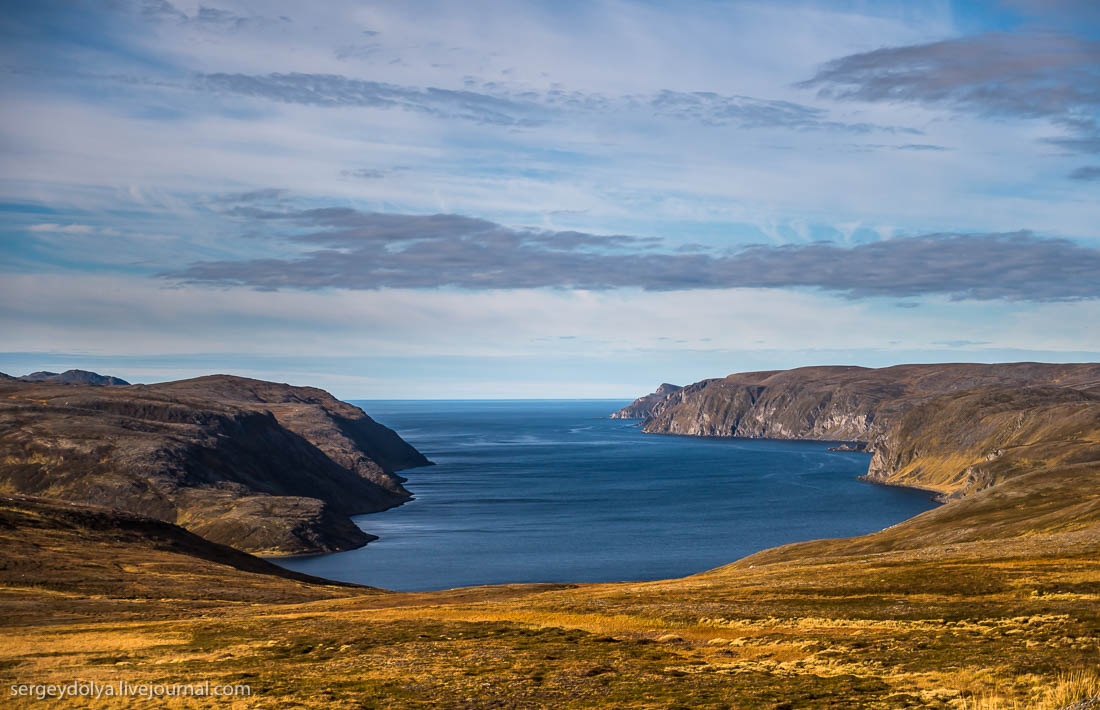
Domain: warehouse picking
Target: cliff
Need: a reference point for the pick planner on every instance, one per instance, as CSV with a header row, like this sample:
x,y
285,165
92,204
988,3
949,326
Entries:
x,y
836,403
953,429
963,442
261,466
988,600
643,407
1011,464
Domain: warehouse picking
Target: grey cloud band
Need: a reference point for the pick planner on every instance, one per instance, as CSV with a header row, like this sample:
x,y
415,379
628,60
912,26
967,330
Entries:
x,y
346,248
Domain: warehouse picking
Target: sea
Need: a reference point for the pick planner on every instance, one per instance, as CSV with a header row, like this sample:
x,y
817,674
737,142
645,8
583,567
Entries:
x,y
556,491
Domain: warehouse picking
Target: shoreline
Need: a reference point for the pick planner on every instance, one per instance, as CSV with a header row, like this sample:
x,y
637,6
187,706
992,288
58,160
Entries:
x,y
935,495
931,495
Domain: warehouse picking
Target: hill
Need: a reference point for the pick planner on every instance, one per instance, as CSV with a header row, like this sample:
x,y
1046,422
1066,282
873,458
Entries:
x,y
642,407
261,466
838,403
987,602
74,377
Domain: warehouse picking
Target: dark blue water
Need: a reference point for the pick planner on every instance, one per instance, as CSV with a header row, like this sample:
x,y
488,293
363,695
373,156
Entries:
x,y
554,491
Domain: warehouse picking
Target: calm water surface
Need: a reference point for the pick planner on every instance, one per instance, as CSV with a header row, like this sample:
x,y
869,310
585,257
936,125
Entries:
x,y
554,491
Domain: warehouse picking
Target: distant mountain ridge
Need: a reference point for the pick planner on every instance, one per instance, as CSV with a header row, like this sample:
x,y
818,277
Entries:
x,y
74,377
261,466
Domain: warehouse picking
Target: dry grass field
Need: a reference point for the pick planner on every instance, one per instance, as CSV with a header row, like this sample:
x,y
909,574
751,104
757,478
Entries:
x,y
989,602
1011,622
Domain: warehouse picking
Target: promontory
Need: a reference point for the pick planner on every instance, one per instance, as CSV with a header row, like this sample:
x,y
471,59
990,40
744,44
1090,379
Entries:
x,y
263,467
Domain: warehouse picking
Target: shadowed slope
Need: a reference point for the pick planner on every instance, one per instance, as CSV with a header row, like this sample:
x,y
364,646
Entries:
x,y
987,602
837,403
261,466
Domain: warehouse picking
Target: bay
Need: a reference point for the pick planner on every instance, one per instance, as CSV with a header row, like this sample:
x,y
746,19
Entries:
x,y
555,491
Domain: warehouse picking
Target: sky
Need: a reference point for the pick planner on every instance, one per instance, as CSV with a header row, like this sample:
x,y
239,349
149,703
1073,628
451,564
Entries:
x,y
493,199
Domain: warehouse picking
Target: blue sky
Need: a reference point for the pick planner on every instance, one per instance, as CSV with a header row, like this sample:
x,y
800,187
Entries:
x,y
490,199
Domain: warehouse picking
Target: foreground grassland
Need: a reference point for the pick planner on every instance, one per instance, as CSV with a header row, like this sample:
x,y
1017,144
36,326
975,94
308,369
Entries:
x,y
1012,622
991,601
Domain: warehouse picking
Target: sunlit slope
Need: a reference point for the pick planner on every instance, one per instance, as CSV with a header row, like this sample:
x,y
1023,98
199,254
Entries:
x,y
963,442
989,601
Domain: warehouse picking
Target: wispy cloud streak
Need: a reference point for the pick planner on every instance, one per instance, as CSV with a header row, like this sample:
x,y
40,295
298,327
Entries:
x,y
1044,75
495,105
364,250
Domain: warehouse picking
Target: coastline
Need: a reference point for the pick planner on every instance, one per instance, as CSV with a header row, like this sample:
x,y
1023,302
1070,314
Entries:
x,y
935,495
938,496
757,464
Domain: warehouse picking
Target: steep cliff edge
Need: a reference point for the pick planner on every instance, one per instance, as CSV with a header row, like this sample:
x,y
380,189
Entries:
x,y
963,442
836,403
939,427
642,407
261,466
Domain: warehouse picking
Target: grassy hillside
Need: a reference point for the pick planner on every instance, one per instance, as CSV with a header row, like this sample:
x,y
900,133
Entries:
x,y
962,442
991,601
981,623
262,466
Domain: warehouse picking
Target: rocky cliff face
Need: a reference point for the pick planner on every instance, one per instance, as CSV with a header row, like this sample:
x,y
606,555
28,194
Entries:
x,y
892,409
771,407
261,466
642,407
963,442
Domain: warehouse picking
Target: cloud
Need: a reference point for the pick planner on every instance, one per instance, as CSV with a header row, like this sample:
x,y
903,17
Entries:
x,y
1086,144
1040,75
364,173
993,74
266,194
62,228
747,112
908,147
961,343
1086,173
494,104
205,17
1057,13
350,249
338,90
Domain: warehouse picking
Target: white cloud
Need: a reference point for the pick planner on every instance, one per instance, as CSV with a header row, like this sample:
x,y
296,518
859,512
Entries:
x,y
62,228
112,314
130,162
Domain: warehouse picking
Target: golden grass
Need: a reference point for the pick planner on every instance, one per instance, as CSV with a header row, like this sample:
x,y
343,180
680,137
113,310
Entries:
x,y
1067,689
607,624
1072,687
46,641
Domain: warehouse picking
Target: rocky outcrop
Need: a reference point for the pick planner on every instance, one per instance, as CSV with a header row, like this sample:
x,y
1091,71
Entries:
x,y
74,377
261,466
927,425
643,407
818,405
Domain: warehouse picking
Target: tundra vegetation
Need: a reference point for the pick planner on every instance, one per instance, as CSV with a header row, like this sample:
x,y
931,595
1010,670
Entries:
x,y
989,601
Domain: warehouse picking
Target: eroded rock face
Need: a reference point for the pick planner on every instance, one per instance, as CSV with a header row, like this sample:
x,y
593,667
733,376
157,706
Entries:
x,y
261,466
890,409
643,407
962,442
